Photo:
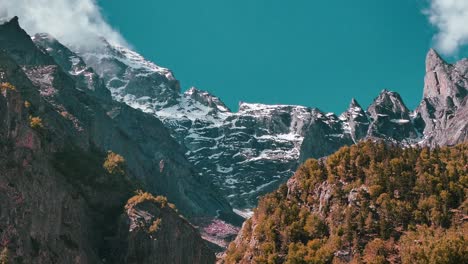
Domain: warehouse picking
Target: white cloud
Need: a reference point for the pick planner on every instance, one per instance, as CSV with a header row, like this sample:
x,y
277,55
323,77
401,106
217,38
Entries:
x,y
450,17
74,22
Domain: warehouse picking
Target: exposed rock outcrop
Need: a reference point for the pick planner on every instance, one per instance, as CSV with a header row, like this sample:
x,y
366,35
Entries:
x,y
152,232
391,118
442,114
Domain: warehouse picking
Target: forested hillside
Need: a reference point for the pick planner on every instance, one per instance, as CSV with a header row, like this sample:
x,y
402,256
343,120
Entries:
x,y
368,203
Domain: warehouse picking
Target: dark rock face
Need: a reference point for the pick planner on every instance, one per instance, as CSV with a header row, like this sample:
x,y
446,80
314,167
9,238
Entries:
x,y
58,203
14,39
47,214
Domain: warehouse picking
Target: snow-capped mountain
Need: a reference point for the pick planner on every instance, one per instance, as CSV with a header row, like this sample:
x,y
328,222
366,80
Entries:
x,y
250,152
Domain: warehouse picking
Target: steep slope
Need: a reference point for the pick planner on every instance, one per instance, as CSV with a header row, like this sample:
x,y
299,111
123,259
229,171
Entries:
x,y
79,94
59,205
368,203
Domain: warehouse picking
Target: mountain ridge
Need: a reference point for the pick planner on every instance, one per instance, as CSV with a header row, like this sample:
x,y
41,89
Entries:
x,y
235,150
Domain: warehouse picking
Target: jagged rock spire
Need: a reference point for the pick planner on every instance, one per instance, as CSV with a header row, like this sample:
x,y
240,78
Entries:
x,y
354,103
354,110
206,99
19,45
433,60
356,119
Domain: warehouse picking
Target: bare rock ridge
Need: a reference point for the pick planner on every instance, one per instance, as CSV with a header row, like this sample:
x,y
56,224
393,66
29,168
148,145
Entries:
x,y
58,203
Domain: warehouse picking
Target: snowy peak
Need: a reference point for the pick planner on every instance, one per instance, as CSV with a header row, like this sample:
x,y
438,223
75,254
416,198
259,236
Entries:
x,y
206,99
86,79
136,61
132,79
355,110
65,58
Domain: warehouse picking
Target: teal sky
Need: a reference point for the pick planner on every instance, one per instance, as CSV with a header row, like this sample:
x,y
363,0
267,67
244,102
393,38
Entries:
x,y
312,53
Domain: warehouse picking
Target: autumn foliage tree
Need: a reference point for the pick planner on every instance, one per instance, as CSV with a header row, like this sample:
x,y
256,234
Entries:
x,y
114,164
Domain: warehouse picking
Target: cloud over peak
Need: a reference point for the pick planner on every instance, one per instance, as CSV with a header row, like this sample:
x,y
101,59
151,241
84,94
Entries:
x,y
450,17
74,22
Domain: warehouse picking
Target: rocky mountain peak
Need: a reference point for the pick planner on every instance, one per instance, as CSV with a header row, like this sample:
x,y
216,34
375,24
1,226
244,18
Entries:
x,y
447,82
133,79
355,120
355,109
390,118
13,22
433,60
206,99
390,100
19,45
388,103
354,103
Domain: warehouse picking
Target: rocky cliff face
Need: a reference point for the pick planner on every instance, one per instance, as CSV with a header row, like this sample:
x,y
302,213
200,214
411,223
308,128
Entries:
x,y
151,231
442,113
58,203
80,95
